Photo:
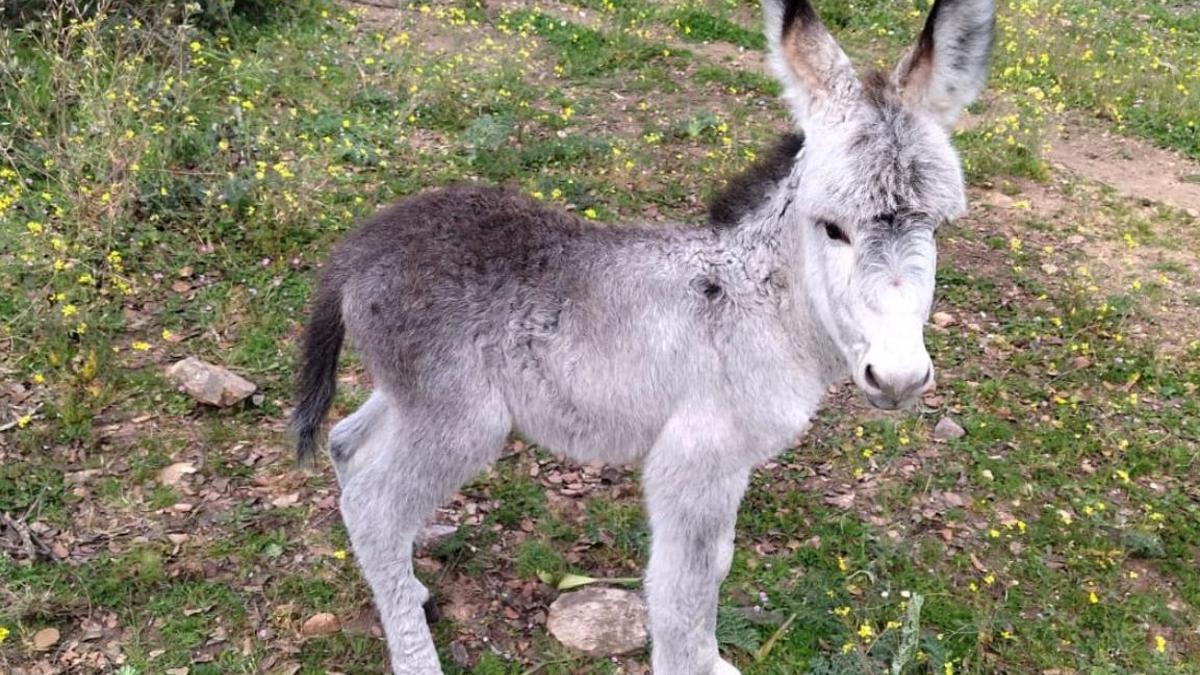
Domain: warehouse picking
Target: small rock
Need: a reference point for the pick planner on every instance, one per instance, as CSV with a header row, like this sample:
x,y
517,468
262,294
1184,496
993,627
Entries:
x,y
942,319
948,430
433,535
999,200
45,639
1193,213
284,501
174,473
599,621
320,624
458,654
209,383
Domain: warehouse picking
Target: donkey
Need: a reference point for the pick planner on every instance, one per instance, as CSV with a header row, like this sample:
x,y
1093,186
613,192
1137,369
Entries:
x,y
696,352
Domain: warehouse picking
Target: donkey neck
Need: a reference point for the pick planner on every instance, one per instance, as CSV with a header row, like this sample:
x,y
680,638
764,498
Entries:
x,y
768,242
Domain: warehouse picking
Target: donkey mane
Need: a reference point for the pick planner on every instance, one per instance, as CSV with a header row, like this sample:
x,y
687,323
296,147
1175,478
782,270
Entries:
x,y
745,192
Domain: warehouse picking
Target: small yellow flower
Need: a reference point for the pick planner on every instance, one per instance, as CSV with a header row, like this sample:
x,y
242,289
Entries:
x,y
841,563
167,334
340,554
3,634
140,346
865,631
69,311
38,378
847,647
1160,644
22,422
194,46
1093,598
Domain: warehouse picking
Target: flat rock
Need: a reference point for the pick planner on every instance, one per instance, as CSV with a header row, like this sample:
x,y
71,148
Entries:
x,y
174,473
45,639
599,621
434,534
210,383
948,430
320,624
942,319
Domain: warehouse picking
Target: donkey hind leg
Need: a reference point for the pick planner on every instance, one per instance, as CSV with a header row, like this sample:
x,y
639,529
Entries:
x,y
410,461
350,434
693,506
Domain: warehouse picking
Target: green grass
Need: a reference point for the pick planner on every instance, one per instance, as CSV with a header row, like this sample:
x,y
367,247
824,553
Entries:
x,y
699,26
171,187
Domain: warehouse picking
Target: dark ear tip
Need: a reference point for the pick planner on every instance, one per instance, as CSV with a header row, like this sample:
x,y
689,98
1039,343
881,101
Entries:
x,y
797,10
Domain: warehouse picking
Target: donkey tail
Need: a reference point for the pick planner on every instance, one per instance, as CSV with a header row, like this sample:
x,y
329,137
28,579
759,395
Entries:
x,y
317,380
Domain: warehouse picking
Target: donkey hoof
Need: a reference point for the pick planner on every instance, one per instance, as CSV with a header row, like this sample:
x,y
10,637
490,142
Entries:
x,y
433,613
724,667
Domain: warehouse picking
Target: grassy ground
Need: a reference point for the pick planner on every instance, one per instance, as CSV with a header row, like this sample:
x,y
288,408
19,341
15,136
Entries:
x,y
171,181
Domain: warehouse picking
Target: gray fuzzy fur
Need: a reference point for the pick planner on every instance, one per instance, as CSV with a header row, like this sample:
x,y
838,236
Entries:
x,y
696,353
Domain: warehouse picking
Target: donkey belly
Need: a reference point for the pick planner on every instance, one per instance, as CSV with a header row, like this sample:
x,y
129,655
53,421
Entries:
x,y
588,419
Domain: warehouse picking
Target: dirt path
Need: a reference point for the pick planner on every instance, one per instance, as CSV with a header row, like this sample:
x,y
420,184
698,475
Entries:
x,y
1130,166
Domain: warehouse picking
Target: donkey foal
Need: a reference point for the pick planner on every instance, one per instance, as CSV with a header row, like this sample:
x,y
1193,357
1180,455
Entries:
x,y
697,352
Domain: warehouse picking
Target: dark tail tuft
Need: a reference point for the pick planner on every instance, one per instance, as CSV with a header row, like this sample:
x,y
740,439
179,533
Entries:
x,y
318,374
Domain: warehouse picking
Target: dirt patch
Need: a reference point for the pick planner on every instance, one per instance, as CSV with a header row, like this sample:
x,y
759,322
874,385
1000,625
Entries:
x,y
1077,234
1130,166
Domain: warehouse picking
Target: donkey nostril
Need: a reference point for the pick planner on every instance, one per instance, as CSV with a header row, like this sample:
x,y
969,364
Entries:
x,y
871,379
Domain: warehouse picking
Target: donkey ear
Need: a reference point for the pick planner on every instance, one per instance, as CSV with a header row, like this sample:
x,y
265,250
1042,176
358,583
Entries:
x,y
948,66
818,79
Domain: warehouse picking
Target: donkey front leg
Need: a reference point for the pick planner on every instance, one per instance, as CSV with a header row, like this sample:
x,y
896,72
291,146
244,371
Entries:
x,y
693,500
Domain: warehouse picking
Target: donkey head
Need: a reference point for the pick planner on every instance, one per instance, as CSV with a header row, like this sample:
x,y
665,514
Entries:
x,y
876,177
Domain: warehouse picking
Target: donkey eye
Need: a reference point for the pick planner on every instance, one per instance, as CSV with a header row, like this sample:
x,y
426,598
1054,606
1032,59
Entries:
x,y
834,232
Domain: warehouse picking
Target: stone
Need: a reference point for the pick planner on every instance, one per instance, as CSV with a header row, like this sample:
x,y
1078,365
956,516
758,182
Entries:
x,y
320,624
942,319
948,430
434,534
599,621
458,654
174,473
45,639
210,383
